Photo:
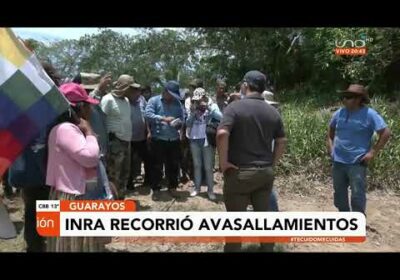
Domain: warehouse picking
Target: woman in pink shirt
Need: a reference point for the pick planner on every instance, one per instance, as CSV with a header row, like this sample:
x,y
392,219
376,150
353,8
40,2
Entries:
x,y
73,155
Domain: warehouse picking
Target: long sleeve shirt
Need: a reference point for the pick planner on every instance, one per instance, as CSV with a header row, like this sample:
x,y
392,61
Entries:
x,y
156,110
73,158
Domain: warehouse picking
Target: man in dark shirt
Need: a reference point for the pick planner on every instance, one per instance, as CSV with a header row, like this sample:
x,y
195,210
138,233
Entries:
x,y
244,141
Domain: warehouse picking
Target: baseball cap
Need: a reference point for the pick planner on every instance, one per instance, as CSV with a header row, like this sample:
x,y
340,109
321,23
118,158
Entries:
x,y
199,93
173,88
257,79
76,93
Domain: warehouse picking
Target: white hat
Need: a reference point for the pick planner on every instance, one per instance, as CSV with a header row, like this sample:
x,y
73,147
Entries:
x,y
199,93
269,98
268,95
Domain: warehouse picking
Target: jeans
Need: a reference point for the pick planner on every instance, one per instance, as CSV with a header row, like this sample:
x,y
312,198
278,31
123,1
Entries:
x,y
203,157
165,153
353,175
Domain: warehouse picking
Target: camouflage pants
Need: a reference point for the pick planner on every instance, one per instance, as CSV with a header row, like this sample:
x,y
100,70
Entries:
x,y
118,164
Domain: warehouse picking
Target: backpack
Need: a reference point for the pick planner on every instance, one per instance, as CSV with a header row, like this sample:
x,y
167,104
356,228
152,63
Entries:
x,y
211,132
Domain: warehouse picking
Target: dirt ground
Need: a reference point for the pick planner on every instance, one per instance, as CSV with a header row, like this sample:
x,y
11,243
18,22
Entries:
x,y
296,193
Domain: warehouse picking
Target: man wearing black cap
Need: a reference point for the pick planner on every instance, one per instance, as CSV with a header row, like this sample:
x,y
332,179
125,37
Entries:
x,y
244,141
349,145
165,117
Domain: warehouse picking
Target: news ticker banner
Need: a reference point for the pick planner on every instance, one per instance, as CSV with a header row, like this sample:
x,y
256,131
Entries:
x,y
119,218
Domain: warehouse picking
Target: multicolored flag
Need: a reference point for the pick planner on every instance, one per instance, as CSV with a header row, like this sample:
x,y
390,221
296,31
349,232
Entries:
x,y
29,99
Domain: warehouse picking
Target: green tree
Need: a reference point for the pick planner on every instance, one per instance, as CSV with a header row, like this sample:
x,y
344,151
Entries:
x,y
65,55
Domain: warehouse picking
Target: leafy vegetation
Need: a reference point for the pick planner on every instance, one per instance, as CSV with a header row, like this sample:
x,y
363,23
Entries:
x,y
301,65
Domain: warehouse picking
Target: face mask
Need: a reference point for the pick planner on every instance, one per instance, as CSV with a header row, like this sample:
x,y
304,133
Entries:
x,y
202,108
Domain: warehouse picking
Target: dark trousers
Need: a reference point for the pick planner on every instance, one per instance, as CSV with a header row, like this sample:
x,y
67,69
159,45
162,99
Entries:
x,y
186,161
136,165
139,151
118,160
165,153
34,242
8,191
247,186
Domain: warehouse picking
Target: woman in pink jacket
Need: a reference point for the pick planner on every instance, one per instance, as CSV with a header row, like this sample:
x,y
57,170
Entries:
x,y
73,155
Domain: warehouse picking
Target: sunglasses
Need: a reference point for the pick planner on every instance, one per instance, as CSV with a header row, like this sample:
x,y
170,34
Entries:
x,y
348,97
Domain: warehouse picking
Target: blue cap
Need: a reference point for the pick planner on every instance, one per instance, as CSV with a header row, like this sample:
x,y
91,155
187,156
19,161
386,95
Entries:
x,y
173,88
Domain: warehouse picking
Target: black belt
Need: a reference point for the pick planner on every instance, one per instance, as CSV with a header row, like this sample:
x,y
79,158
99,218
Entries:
x,y
255,166
169,140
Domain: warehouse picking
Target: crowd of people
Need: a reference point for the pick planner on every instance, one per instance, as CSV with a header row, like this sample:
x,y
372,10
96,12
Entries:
x,y
95,150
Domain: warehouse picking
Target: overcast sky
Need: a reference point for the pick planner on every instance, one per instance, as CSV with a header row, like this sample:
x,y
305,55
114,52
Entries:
x,y
68,33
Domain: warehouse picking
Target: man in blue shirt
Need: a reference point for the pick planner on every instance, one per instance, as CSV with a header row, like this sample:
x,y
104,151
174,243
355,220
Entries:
x,y
165,118
350,146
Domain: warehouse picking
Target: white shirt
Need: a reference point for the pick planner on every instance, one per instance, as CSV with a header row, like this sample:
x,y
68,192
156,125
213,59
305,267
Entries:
x,y
188,103
118,111
198,130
